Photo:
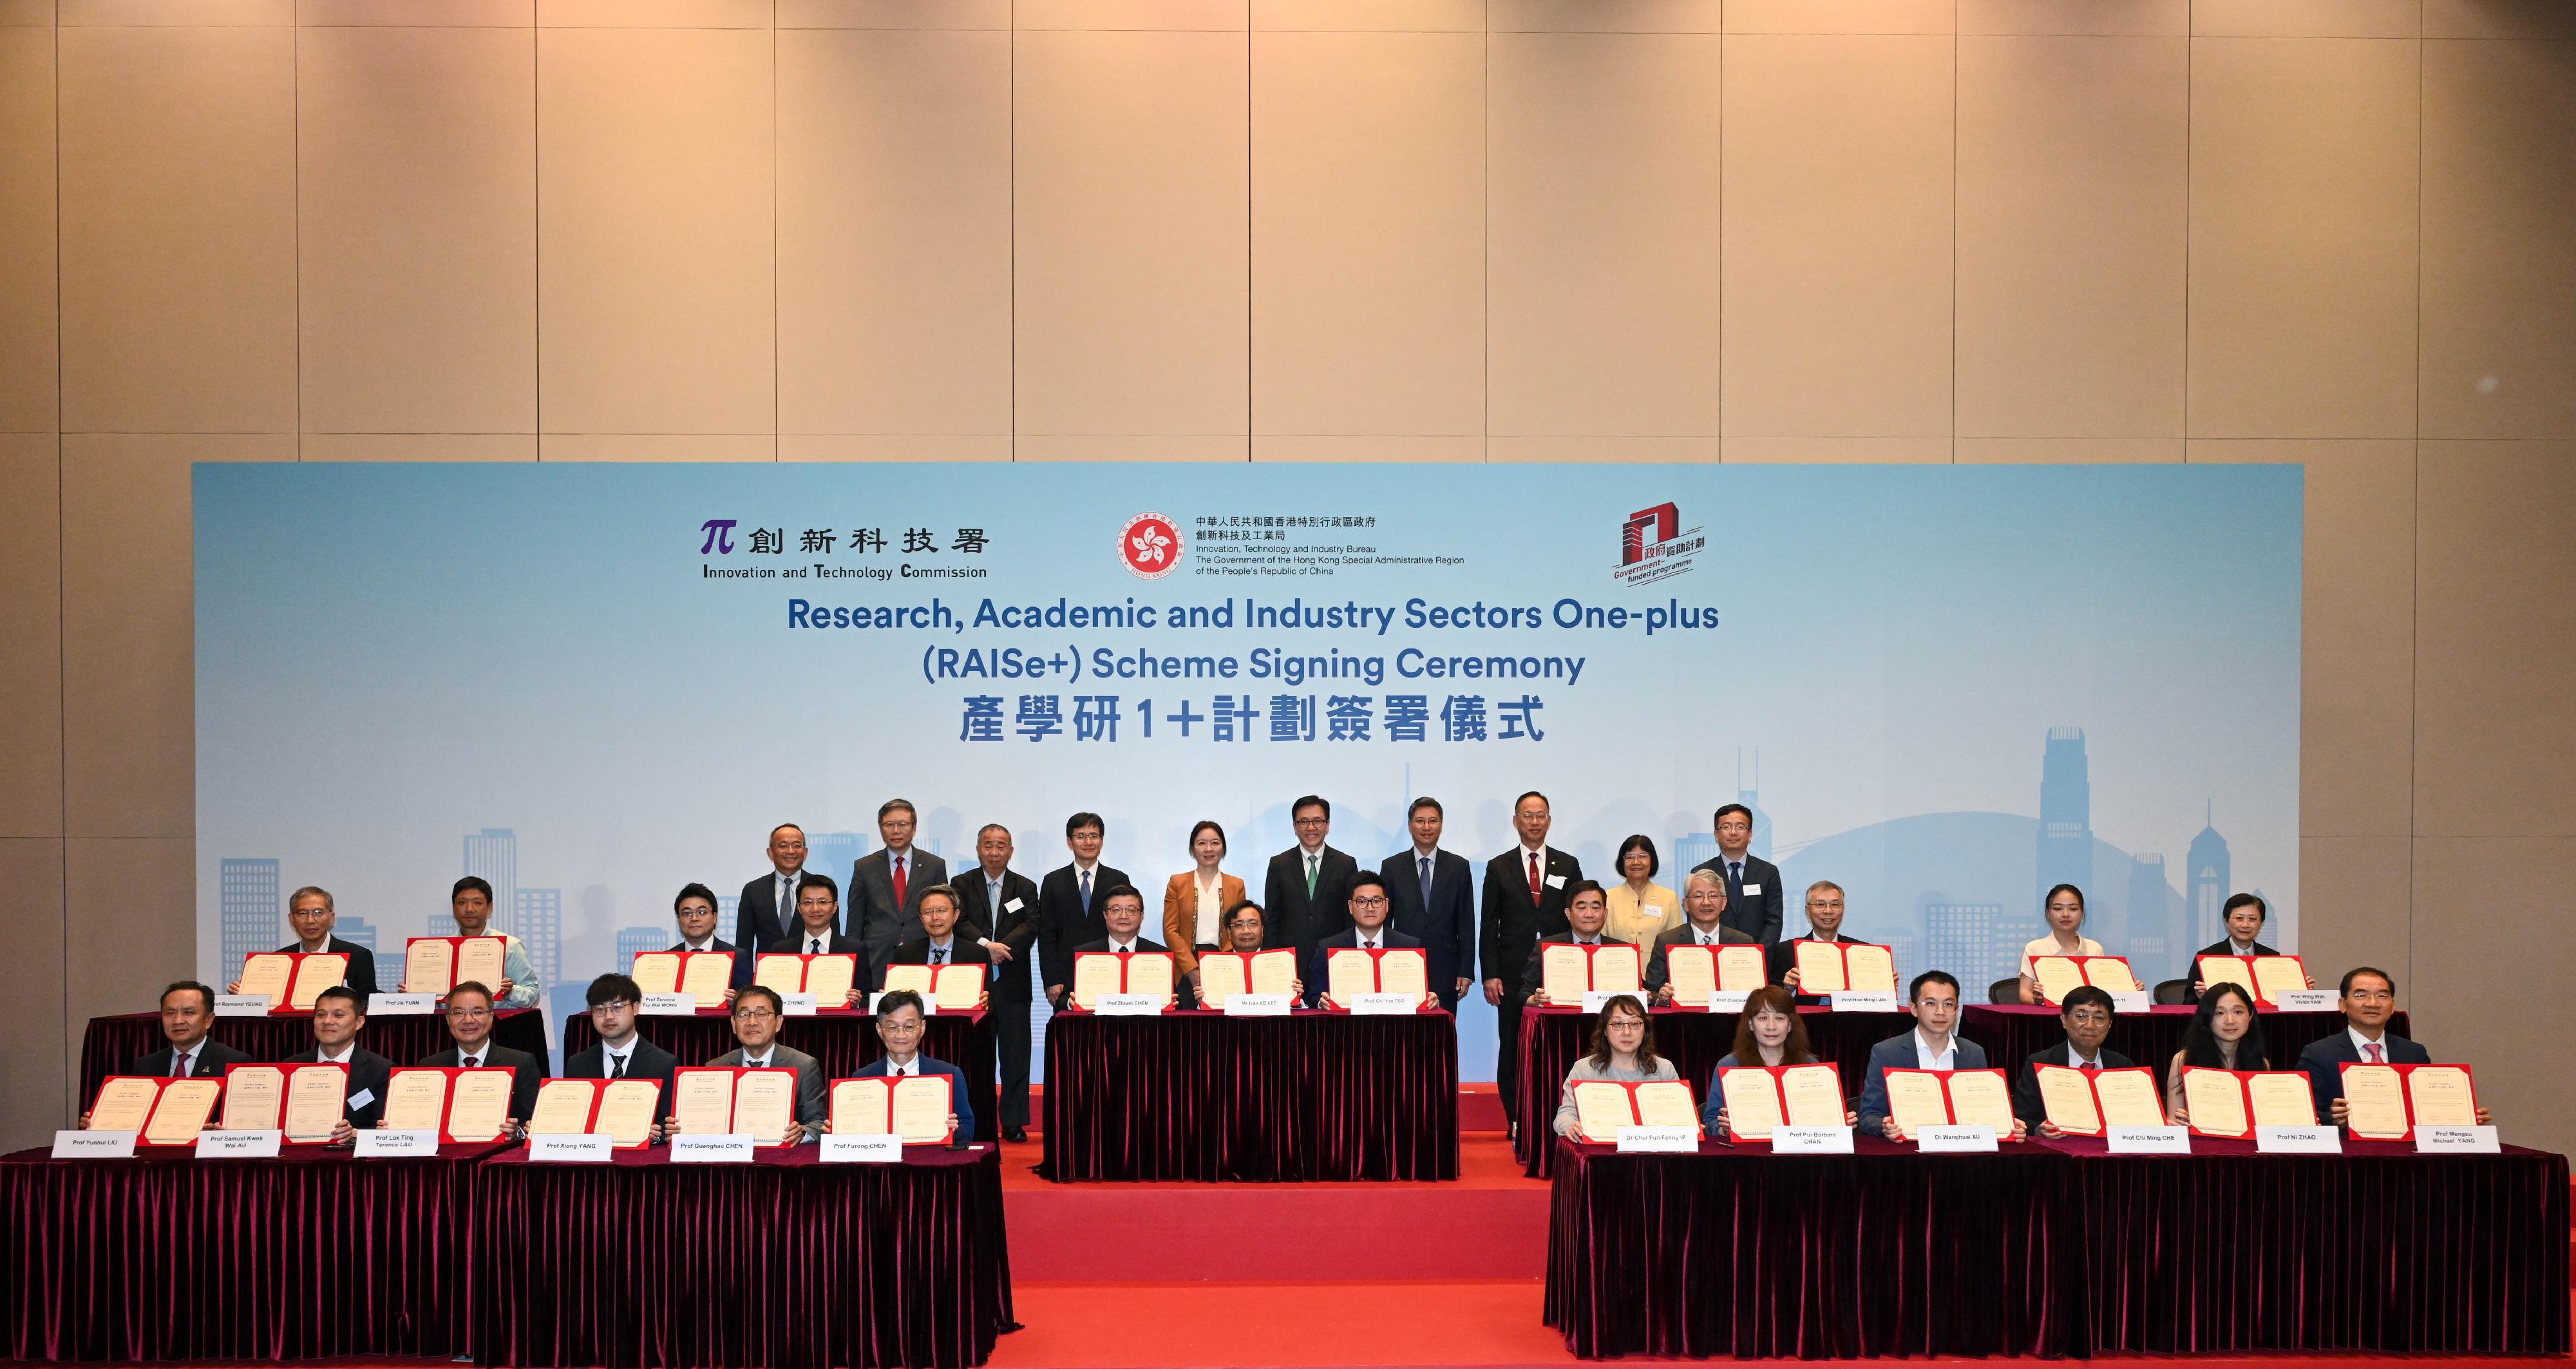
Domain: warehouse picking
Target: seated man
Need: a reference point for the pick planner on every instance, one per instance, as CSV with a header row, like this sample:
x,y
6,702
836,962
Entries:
x,y
337,1017
1587,911
1122,914
818,924
313,917
756,1017
939,943
469,1024
695,911
1703,904
1932,1045
1245,929
2369,1000
1370,906
2086,1016
1824,923
621,1052
900,1026
187,1014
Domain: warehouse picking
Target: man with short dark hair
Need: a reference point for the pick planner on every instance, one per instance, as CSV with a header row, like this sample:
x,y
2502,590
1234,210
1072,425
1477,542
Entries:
x,y
338,1016
940,942
310,912
1306,895
1524,899
2369,1000
1369,907
695,911
2086,1013
887,884
1754,898
756,1018
1003,903
1122,911
470,901
1069,903
767,910
1934,1044
1587,917
1433,897
900,1028
621,1051
469,1024
187,1015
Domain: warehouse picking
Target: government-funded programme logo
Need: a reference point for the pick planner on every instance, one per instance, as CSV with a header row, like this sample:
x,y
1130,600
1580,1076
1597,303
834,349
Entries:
x,y
1653,545
1150,545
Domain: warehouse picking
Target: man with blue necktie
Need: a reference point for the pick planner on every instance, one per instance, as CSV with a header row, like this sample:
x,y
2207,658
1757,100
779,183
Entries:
x,y
1754,901
1069,903
1434,893
940,943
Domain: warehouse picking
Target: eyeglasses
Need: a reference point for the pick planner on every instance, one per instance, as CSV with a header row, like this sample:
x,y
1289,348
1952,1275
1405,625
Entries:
x,y
469,1012
1378,902
612,1005
752,1014
2092,1015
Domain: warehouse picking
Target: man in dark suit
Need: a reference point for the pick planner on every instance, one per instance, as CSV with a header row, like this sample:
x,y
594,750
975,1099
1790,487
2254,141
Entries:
x,y
1934,1044
469,1024
886,884
1307,894
942,941
2369,1000
1000,906
621,1052
310,912
1703,924
1524,899
1825,909
2086,1015
1122,914
187,1014
1069,910
756,1017
1434,893
767,911
695,910
1369,906
1753,896
338,1015
900,1027
818,916
1587,913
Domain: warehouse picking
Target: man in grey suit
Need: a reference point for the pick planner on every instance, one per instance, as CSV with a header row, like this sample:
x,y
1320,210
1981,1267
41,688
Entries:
x,y
756,1015
886,884
1933,1045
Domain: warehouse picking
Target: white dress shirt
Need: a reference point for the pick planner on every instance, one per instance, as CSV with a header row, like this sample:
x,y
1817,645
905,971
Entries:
x,y
1924,1057
2363,1045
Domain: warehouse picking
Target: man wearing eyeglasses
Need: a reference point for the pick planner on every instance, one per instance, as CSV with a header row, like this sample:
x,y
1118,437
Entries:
x,y
1369,906
756,1016
622,1052
469,1024
900,1028
2086,1015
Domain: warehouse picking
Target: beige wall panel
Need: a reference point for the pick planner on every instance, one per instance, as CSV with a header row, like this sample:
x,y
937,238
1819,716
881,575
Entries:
x,y
1368,234
657,447
1837,251
2499,277
684,14
1604,16
895,14
1368,16
1310,447
30,379
1602,230
31,622
2506,1016
1706,447
120,964
894,232
177,13
27,13
1130,447
882,447
1214,16
2098,18
129,684
434,13
2061,450
656,261
1131,271
1841,16
2496,721
178,229
2073,172
2499,19
419,229
2356,906
1859,450
2303,216
36,1052
418,446
2307,18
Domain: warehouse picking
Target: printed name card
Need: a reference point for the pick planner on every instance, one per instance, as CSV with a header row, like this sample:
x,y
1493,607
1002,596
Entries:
x,y
1811,1141
239,1145
839,1148
716,1149
570,1149
1660,1140
2436,1140
1955,1140
2297,1141
377,1144
401,1005
93,1145
1256,1005
2150,1140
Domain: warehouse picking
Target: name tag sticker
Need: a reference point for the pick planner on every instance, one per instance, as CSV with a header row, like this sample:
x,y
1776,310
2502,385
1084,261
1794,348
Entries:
x,y
1011,905
1811,1140
94,1145
1556,881
1256,1005
1752,888
886,1149
373,1144
2150,1140
669,1005
401,1004
1955,1140
362,1097
2457,1141
1659,1140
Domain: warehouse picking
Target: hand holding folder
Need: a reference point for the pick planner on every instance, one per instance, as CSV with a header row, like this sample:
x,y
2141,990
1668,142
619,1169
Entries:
x,y
1962,1098
1760,1099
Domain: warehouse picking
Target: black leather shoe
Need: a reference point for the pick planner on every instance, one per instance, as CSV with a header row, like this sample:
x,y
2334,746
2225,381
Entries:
x,y
1015,1134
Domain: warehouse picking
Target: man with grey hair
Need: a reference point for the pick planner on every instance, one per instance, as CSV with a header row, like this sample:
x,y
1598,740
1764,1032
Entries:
x,y
886,884
310,912
1824,923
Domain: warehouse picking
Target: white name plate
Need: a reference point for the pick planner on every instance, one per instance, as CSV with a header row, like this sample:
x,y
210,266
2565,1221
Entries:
x,y
1811,1140
733,1148
239,1145
2306,1000
1954,1140
1384,1005
1862,1002
2140,1001
796,1005
862,1150
2150,1140
241,1005
94,1145
1659,1140
2298,1141
401,1004
374,1144
1257,1005
1728,1000
2457,1141
1128,1005
596,1148
669,1005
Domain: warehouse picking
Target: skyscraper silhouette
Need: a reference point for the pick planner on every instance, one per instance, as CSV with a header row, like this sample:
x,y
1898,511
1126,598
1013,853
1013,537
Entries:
x,y
634,941
2151,955
2211,871
1968,940
833,853
2065,815
493,853
539,927
357,931
254,919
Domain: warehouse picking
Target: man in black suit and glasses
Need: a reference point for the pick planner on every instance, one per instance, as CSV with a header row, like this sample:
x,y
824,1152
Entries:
x,y
1524,901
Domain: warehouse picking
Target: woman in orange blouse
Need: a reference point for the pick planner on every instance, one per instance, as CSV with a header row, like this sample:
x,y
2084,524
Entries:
x,y
1194,904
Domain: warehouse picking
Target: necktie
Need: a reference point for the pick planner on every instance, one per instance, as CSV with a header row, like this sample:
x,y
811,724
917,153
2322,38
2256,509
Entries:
x,y
179,1064
899,884
1426,882
1086,892
470,1061
786,901
2090,1065
1125,949
1368,945
1310,874
1535,896
617,1067
2376,1056
814,947
1735,878
938,955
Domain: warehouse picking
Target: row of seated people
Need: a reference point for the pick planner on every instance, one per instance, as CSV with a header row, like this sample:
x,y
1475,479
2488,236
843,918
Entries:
x,y
2226,1033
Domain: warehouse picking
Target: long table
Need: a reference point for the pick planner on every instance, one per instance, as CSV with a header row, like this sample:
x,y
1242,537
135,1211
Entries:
x,y
2011,1033
111,1042
2057,1248
1203,1096
843,1039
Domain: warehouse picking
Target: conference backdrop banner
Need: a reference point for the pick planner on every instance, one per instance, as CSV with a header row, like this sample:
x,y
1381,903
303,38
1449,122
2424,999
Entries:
x,y
1943,687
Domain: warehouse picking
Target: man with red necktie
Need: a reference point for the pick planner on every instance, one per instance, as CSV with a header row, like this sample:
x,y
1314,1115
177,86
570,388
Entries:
x,y
886,885
2369,1000
1524,900
2086,1015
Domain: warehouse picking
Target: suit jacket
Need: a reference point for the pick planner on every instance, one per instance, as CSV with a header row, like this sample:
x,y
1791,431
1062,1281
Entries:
x,y
810,1105
863,975
1063,923
527,1071
2027,1104
2222,946
874,915
1446,926
368,1075
875,1069
1657,974
1897,1052
1511,923
646,1061
2322,1062
212,1056
1759,915
1143,943
1533,972
1181,913
758,920
1291,917
1016,928
962,950
1314,972
741,962
361,977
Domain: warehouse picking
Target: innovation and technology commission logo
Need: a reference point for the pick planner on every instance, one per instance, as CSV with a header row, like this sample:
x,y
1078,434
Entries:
x,y
1150,546
1653,545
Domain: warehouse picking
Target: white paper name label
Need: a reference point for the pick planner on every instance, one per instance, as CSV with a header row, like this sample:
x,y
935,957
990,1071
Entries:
x,y
401,1004
2297,1141
796,1005
93,1145
2457,1141
241,1005
597,1148
1953,1140
2307,1000
669,1005
1594,1000
1728,1000
1658,1140
2140,1001
1384,1005
1862,1002
2150,1140
709,1149
1811,1140
862,1150
1127,1004
1256,1005
374,1144
238,1145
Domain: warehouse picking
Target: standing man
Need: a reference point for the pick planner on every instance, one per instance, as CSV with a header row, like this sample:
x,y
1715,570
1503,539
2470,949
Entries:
x,y
756,1016
886,884
1307,895
337,1017
1003,905
469,1025
1434,895
767,912
1753,897
1524,900
1069,903
310,912
818,914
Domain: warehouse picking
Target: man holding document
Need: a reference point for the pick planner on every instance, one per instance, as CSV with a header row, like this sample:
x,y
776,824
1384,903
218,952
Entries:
x,y
1587,911
1370,905
622,1053
337,1017
900,1027
2369,1000
469,1023
2086,1015
1703,911
756,1018
187,1013
1933,1045
310,912
695,911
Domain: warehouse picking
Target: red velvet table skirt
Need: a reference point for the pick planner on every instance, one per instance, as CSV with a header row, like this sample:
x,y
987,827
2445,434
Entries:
x,y
166,1257
787,1263
843,1041
1746,1254
1203,1096
2012,1033
111,1042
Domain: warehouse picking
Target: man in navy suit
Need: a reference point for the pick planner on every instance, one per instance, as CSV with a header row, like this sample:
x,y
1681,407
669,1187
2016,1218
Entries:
x,y
2086,1014
768,908
2369,1000
1754,899
1369,906
1070,904
818,916
469,1023
942,942
695,911
900,1028
1434,898
1932,1045
621,1052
